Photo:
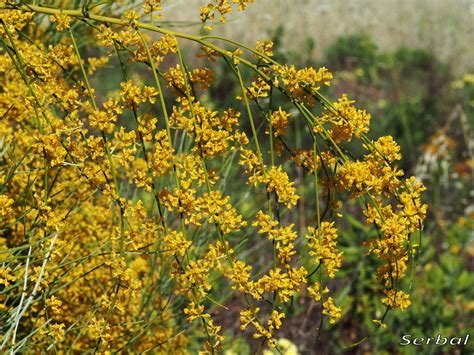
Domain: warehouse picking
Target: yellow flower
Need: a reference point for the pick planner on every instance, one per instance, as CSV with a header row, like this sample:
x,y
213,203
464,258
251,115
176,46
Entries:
x,y
194,311
396,299
247,316
174,243
6,276
322,244
151,6
6,204
279,122
345,119
277,180
63,21
330,310
57,331
264,47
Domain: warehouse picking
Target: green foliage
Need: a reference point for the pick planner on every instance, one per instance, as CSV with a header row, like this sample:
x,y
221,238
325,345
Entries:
x,y
357,51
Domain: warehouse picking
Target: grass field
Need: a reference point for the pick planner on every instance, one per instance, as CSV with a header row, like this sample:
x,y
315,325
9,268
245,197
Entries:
x,y
445,27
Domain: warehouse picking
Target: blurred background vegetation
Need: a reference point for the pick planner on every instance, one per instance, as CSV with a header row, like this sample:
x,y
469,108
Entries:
x,y
410,64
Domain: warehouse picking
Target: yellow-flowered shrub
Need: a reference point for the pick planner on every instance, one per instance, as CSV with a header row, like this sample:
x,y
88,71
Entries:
x,y
117,232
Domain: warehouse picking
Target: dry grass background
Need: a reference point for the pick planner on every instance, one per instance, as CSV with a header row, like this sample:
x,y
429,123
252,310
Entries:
x,y
443,26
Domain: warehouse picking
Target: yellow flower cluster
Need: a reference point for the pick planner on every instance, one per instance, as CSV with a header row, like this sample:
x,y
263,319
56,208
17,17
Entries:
x,y
396,299
151,6
63,21
277,180
279,121
346,120
212,132
396,226
322,243
273,323
301,83
332,311
223,7
6,204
